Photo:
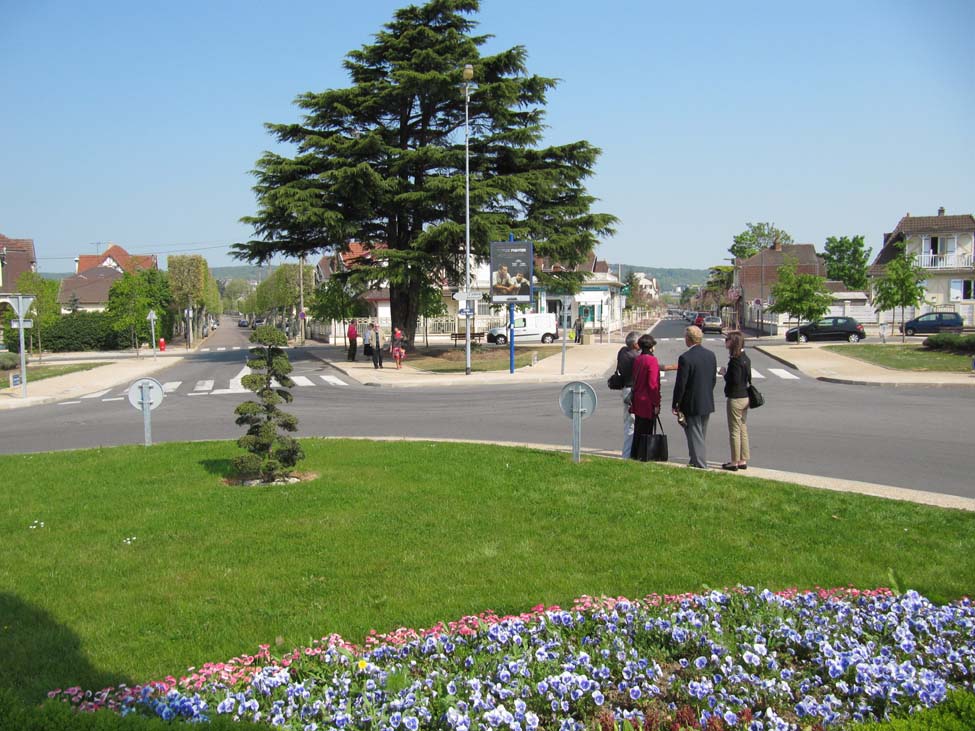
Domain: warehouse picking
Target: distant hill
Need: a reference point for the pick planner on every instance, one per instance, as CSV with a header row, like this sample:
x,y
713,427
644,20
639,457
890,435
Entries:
x,y
240,271
667,279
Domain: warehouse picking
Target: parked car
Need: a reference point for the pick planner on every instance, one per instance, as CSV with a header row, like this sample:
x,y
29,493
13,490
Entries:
x,y
712,323
933,322
532,327
258,321
242,322
827,328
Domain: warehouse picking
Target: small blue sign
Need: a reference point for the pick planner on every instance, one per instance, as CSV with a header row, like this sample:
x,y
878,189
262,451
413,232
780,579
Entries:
x,y
465,312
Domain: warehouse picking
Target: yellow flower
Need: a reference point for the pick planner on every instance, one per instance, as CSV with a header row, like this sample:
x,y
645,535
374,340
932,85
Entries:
x,y
362,664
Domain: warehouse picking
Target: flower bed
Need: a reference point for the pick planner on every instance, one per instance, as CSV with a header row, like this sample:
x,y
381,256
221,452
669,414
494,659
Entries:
x,y
737,659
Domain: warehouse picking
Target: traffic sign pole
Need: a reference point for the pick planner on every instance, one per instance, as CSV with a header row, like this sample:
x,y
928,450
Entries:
x,y
23,356
151,317
145,387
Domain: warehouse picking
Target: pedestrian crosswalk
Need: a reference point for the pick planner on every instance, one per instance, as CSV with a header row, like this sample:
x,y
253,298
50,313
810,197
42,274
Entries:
x,y
757,375
207,387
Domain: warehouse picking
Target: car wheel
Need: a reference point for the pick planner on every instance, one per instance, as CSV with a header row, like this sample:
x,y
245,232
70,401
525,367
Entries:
x,y
854,338
910,331
803,338
547,338
500,340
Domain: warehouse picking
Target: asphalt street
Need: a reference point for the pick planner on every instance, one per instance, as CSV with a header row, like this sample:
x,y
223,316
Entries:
x,y
914,438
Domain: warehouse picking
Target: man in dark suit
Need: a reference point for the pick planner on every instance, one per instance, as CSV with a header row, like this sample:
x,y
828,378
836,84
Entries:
x,y
697,372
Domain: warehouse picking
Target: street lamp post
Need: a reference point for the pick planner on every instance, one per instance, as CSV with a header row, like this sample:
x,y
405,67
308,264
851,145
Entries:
x,y
468,76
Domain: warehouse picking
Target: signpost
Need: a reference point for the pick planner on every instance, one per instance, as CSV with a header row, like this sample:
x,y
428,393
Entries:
x,y
21,304
577,401
145,395
151,317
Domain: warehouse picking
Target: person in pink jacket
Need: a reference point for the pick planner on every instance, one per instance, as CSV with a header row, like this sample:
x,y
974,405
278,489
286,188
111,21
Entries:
x,y
645,396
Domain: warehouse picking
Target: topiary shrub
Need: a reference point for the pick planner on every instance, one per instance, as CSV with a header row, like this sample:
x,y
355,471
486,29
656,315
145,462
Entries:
x,y
271,454
9,361
952,343
81,331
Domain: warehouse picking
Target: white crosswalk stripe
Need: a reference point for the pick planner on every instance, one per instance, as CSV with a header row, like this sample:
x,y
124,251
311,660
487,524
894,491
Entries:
x,y
170,386
334,381
302,381
756,374
204,386
782,373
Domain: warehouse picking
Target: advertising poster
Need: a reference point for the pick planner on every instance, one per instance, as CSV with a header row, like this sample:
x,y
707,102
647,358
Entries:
x,y
511,271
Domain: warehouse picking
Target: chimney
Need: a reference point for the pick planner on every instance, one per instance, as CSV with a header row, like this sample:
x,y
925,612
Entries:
x,y
941,211
776,244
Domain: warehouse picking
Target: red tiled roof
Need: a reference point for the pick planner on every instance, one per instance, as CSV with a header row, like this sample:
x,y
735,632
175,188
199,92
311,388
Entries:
x,y
20,258
129,262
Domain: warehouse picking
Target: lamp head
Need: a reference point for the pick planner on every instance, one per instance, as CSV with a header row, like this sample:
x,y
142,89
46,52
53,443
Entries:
x,y
468,72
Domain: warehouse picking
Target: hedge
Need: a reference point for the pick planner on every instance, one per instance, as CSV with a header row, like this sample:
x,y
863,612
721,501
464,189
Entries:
x,y
9,361
951,342
74,332
957,713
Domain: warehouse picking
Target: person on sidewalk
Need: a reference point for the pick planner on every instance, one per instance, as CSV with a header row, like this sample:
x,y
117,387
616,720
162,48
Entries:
x,y
737,376
693,401
352,333
396,347
377,346
367,342
624,366
579,326
646,391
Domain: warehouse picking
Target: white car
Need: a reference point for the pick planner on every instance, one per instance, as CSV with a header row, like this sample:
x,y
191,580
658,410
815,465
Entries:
x,y
532,328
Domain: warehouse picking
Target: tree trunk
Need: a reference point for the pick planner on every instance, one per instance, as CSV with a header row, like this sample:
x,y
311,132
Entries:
x,y
404,305
903,333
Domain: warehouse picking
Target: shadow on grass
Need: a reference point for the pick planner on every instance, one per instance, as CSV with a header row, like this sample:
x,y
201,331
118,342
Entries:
x,y
39,654
218,467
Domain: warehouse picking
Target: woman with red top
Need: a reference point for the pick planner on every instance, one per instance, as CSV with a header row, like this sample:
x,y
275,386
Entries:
x,y
645,396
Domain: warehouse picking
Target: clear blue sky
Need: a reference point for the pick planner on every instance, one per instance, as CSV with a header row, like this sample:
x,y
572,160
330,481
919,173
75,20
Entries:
x,y
137,123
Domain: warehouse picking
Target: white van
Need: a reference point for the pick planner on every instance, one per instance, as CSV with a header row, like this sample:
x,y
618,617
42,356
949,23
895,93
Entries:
x,y
529,328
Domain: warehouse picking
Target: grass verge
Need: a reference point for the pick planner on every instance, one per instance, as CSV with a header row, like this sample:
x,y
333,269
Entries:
x,y
483,357
146,563
906,357
40,372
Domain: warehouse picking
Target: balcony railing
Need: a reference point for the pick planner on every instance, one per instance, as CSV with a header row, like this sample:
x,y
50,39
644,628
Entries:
x,y
944,261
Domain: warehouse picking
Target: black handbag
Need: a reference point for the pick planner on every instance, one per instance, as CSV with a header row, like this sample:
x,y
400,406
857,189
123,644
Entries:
x,y
615,382
755,397
367,349
653,446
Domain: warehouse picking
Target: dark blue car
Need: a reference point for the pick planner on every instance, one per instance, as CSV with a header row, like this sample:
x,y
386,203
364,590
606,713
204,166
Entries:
x,y
933,322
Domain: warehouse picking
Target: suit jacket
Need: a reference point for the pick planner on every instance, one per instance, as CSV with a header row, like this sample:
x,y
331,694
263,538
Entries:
x,y
697,372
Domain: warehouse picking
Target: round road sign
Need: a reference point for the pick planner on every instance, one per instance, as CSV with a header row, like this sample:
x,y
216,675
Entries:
x,y
154,392
587,399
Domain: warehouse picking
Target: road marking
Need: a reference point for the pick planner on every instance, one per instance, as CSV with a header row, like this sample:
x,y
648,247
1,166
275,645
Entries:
x,y
199,393
302,381
219,349
204,350
334,381
171,386
235,383
236,347
115,398
98,394
756,374
68,403
781,373
204,386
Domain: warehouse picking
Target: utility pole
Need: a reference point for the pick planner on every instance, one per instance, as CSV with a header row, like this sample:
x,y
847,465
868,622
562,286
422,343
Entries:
x,y
301,301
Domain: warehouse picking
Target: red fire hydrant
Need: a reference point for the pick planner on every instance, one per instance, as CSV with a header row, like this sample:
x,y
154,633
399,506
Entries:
x,y
162,344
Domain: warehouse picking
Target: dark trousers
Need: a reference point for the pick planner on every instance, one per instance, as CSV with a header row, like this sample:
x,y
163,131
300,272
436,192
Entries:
x,y
353,343
641,426
377,357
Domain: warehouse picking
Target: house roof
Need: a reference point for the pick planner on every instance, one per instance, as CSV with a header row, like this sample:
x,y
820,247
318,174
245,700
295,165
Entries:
x,y
918,225
772,258
20,258
591,265
116,255
90,286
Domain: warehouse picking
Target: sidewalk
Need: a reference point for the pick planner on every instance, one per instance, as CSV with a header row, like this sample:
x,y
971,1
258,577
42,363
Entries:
x,y
824,365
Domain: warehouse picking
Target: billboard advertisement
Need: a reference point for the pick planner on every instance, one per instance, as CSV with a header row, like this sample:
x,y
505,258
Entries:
x,y
511,271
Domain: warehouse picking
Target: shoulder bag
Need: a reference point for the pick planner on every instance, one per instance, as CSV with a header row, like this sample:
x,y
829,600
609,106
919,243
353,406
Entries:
x,y
653,446
615,381
755,397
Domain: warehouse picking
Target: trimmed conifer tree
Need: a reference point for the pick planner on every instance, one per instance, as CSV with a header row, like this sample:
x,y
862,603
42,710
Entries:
x,y
272,454
382,162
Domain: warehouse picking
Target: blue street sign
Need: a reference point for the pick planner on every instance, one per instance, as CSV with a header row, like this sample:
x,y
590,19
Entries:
x,y
465,312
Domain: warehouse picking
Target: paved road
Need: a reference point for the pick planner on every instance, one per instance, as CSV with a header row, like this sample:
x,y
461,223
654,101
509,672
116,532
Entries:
x,y
913,438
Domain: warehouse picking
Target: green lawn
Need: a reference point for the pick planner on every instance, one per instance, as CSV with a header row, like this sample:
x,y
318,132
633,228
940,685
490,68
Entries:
x,y
40,372
906,357
452,359
398,534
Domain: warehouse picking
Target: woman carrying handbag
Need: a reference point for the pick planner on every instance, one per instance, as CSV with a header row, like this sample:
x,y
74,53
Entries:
x,y
645,396
737,377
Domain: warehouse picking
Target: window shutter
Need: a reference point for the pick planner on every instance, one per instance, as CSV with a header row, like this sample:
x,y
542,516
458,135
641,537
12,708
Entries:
x,y
954,292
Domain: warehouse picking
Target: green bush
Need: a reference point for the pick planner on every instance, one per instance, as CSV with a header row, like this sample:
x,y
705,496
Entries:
x,y
957,713
59,716
9,361
81,331
952,343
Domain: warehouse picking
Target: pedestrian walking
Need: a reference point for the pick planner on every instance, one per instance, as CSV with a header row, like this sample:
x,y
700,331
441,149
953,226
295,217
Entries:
x,y
693,401
579,326
367,341
624,366
377,346
645,398
397,347
737,376
352,333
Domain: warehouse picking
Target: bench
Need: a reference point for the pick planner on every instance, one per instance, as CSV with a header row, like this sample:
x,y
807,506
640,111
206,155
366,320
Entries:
x,y
462,337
